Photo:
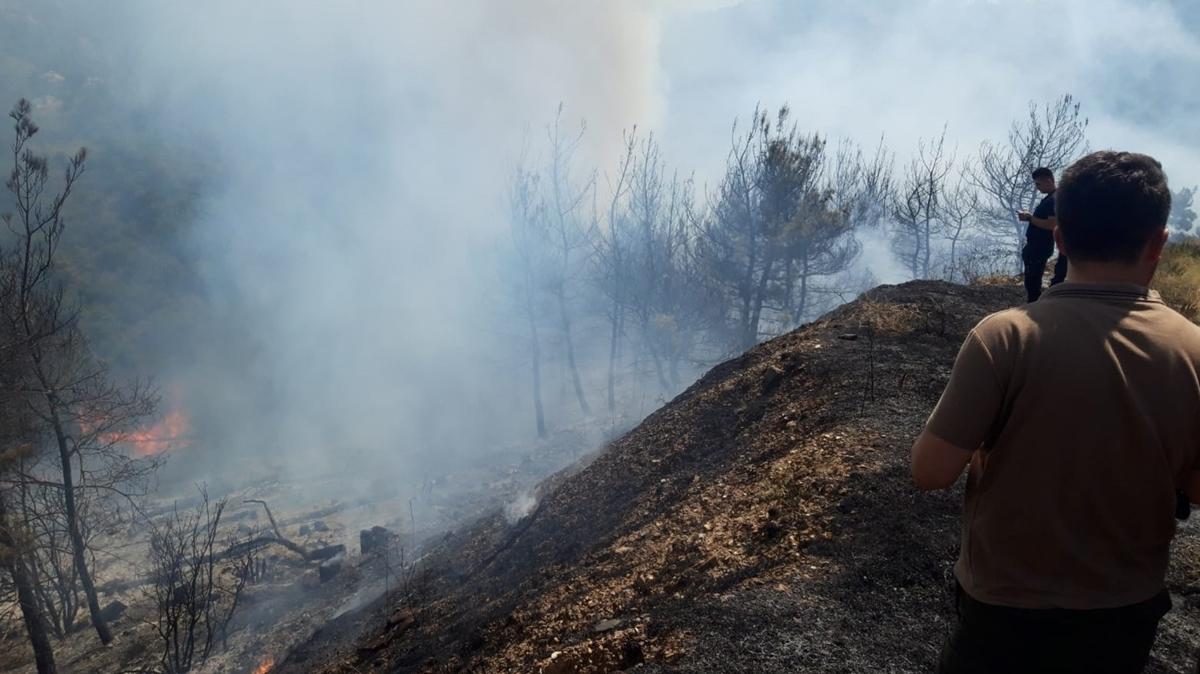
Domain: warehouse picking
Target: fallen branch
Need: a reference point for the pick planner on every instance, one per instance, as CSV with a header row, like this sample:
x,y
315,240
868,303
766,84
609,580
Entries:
x,y
279,537
241,548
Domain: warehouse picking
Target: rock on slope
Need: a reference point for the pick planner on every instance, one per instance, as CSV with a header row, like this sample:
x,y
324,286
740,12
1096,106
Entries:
x,y
763,521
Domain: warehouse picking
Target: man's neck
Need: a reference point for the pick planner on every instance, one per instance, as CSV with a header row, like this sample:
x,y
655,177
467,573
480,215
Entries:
x,y
1109,273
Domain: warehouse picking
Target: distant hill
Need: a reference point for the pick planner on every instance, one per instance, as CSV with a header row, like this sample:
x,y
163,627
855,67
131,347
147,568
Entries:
x,y
128,254
763,521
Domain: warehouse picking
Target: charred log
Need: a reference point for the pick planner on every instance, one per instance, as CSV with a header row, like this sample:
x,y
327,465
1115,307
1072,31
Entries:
x,y
279,538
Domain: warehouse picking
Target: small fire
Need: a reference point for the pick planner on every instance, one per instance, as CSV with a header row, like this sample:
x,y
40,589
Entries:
x,y
265,666
169,433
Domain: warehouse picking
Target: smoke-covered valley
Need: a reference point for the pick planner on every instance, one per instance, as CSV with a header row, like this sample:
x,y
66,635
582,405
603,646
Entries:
x,y
342,225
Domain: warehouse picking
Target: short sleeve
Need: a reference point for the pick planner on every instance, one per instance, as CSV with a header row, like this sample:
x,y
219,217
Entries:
x,y
1045,208
972,400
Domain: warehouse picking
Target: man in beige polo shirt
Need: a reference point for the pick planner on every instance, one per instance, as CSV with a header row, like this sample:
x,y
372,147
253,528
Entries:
x,y
1079,415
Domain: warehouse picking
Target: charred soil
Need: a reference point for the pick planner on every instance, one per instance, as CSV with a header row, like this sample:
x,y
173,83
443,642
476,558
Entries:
x,y
763,521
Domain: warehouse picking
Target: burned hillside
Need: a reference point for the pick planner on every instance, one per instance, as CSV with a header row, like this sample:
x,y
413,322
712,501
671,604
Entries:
x,y
762,521
328,330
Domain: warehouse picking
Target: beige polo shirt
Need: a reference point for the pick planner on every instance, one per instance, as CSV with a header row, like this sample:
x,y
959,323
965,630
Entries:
x,y
1086,408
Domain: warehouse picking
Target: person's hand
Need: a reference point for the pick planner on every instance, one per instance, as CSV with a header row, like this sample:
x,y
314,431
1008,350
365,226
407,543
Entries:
x,y
1024,216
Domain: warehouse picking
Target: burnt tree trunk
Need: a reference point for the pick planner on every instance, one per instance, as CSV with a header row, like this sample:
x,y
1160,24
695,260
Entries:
x,y
614,339
749,332
35,622
953,257
652,347
760,298
78,547
802,305
928,233
569,343
53,618
915,263
536,349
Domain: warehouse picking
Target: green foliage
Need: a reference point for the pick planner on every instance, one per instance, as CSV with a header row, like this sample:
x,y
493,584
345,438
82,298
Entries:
x,y
775,226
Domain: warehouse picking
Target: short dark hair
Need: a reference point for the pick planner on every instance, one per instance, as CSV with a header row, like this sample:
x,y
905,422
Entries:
x,y
1111,204
1042,172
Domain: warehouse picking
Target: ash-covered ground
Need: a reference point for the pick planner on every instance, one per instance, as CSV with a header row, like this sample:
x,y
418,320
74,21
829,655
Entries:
x,y
763,521
291,598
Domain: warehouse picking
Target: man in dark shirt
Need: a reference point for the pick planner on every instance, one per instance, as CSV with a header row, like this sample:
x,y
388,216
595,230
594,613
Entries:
x,y
1039,237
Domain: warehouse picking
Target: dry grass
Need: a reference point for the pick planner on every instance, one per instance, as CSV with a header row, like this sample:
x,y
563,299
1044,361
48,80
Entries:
x,y
1178,278
885,318
997,280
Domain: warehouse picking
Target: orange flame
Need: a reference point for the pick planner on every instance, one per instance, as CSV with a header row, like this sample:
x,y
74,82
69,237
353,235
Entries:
x,y
169,433
265,666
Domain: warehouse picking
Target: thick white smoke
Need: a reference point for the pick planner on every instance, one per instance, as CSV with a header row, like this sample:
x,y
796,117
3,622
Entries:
x,y
365,146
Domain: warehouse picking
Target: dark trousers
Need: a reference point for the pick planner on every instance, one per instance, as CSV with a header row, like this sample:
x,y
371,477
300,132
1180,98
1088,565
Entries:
x,y
1035,258
997,639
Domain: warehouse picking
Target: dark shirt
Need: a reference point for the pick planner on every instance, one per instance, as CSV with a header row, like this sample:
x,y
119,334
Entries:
x,y
1036,236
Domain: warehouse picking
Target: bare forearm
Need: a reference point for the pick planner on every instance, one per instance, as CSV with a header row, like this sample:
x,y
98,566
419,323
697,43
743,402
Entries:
x,y
936,463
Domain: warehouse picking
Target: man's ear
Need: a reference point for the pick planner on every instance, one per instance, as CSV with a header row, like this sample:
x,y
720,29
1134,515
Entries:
x,y
1154,249
1058,241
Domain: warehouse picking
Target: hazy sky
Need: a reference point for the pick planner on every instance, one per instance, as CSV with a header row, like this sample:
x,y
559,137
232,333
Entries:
x,y
904,68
